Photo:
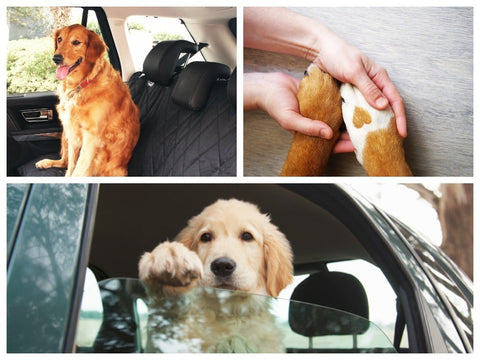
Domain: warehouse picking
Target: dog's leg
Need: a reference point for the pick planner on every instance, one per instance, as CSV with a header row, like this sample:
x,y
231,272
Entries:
x,y
378,146
84,162
61,163
318,99
168,273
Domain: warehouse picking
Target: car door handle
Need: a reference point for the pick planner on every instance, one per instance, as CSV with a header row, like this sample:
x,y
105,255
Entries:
x,y
37,115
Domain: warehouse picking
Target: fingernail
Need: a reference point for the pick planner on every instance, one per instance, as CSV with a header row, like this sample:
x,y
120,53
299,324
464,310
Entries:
x,y
325,134
381,102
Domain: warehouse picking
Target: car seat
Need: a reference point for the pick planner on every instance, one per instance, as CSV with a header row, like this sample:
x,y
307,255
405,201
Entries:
x,y
331,290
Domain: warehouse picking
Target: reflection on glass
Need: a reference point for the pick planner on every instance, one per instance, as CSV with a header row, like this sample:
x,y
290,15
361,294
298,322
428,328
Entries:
x,y
214,320
43,259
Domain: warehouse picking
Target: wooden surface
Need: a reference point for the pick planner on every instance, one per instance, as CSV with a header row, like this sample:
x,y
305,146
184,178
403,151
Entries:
x,y
428,53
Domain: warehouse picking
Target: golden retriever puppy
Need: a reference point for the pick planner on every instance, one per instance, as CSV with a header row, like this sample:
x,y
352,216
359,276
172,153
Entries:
x,y
229,245
100,121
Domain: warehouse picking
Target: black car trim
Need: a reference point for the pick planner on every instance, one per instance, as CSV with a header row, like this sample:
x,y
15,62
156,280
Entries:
x,y
84,255
432,280
107,36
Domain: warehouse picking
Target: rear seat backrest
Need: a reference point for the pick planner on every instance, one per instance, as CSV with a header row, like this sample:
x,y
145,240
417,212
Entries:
x,y
188,121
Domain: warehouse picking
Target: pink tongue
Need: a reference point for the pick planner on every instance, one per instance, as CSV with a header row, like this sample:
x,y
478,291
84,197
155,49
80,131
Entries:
x,y
62,72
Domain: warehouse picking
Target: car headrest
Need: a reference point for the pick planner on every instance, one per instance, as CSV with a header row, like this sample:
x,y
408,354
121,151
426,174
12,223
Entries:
x,y
161,62
195,82
335,290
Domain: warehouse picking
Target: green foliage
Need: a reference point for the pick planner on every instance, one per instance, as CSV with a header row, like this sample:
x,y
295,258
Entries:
x,y
135,26
30,67
28,22
164,37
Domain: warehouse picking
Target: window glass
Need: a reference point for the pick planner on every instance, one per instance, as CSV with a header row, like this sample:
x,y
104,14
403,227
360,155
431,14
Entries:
x,y
16,196
144,32
30,45
448,280
43,268
380,295
91,313
207,320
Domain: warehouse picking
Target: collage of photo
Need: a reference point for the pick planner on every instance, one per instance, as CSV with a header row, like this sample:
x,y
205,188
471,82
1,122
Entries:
x,y
239,178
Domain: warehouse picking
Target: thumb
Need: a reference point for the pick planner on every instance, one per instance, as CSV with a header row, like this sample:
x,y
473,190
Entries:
x,y
371,92
299,123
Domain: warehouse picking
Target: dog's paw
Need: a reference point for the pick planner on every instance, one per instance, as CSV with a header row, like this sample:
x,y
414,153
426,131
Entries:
x,y
170,264
319,97
378,146
44,164
361,119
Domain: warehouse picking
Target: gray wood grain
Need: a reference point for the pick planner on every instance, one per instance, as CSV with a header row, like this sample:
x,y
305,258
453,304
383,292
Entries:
x,y
428,53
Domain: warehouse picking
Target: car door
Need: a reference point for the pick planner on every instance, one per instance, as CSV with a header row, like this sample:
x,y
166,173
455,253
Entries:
x,y
33,126
49,228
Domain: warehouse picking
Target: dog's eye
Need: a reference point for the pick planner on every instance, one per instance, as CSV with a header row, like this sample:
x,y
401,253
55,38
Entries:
x,y
75,42
59,40
206,237
246,236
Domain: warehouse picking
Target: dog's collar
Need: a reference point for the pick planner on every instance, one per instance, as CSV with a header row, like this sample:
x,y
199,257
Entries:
x,y
82,85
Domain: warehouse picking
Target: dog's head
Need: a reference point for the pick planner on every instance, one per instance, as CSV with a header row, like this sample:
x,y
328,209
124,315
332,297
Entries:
x,y
240,248
76,51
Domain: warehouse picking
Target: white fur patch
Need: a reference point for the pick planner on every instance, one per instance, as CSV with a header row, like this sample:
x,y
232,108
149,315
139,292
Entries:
x,y
358,131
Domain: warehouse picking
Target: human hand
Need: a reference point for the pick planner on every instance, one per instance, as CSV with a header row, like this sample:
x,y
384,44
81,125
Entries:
x,y
276,93
347,64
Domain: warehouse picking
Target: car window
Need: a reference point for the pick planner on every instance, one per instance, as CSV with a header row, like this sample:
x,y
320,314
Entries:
x,y
43,266
30,45
16,196
144,32
447,280
380,295
132,323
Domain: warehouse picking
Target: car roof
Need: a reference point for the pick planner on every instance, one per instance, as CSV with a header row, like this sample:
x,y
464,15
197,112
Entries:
x,y
133,219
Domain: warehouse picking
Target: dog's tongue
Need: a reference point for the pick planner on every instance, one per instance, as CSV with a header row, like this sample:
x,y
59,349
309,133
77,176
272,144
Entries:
x,y
62,72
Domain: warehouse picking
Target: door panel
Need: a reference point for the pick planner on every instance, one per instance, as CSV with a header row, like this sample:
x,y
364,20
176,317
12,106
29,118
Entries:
x,y
33,128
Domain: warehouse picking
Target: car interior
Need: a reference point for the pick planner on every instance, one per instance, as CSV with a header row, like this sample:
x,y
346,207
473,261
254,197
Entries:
x,y
320,229
187,108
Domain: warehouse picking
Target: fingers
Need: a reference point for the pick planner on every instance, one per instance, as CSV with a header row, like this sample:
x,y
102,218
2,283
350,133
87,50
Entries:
x,y
343,144
379,91
298,123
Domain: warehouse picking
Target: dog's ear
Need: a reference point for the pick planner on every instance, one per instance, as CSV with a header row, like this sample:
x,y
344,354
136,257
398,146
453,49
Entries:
x,y
96,47
278,258
55,37
186,237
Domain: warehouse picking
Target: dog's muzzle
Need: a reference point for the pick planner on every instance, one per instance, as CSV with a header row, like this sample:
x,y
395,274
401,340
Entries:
x,y
57,59
223,267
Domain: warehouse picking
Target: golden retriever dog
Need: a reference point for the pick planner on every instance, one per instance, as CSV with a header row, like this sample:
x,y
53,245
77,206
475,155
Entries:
x,y
230,245
100,121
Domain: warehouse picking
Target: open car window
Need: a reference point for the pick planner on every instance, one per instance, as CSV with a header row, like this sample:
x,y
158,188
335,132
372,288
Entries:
x,y
118,317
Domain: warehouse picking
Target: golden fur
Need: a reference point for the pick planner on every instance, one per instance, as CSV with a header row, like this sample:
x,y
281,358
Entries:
x,y
100,121
318,99
211,322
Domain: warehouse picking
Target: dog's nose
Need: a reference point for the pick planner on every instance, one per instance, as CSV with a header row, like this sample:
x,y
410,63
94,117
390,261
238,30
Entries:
x,y
57,59
223,267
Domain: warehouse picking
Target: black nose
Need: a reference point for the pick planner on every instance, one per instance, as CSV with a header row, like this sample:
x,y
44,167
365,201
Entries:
x,y
57,59
223,267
